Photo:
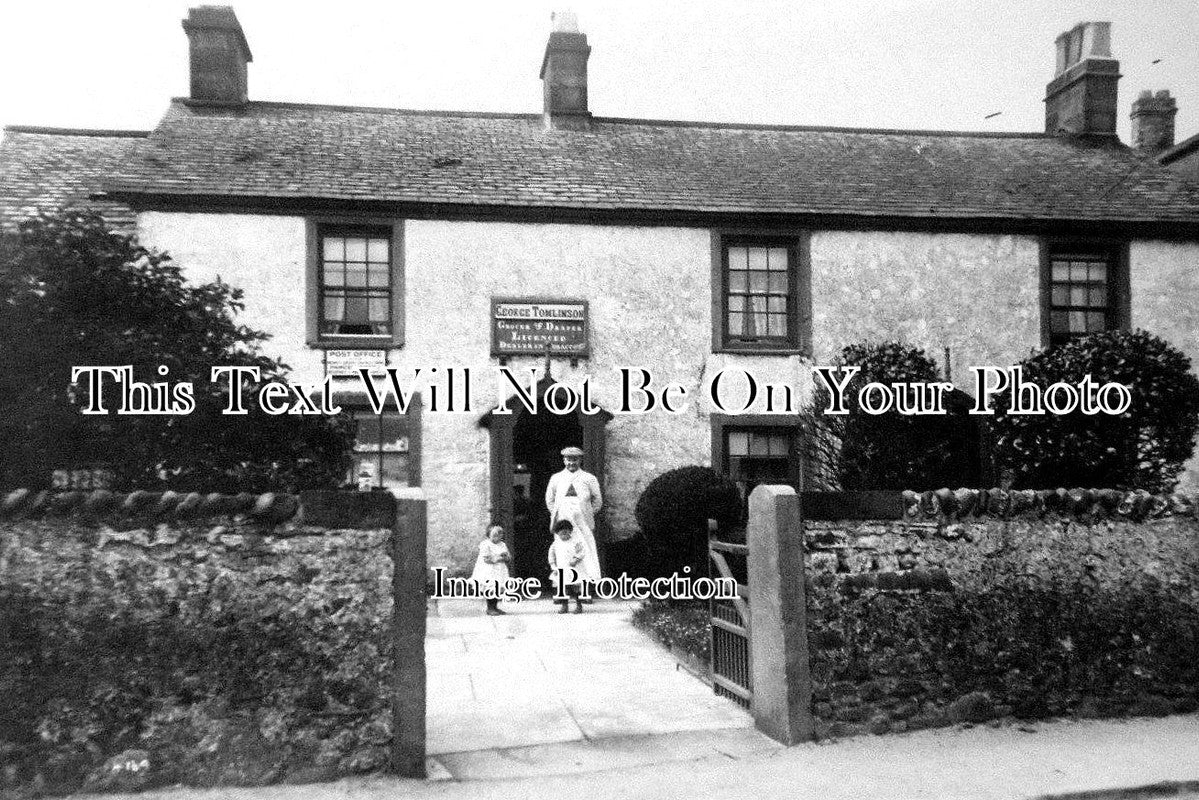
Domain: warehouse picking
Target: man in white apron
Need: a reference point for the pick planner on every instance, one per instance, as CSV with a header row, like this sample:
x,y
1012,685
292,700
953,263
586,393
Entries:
x,y
574,494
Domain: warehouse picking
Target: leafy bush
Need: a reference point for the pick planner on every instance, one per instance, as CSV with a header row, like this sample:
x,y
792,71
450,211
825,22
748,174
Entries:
x,y
673,514
891,450
687,627
1143,448
74,294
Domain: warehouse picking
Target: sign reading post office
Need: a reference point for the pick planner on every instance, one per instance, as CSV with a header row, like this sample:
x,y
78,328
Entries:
x,y
527,326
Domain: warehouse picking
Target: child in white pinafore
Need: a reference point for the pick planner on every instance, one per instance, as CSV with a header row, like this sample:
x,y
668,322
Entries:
x,y
566,557
491,567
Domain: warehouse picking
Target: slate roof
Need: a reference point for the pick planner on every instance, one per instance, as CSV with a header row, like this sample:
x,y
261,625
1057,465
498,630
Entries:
x,y
283,150
1183,148
41,168
272,151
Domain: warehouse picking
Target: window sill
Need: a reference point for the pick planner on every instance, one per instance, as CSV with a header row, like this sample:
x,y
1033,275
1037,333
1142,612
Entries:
x,y
357,343
760,351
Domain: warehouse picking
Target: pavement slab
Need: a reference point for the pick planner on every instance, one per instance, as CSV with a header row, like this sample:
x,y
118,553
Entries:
x,y
502,685
1104,759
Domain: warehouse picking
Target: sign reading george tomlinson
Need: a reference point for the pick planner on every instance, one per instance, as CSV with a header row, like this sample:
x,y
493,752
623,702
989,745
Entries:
x,y
526,326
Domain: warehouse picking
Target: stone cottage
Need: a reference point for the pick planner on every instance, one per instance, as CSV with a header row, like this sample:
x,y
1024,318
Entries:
x,y
414,239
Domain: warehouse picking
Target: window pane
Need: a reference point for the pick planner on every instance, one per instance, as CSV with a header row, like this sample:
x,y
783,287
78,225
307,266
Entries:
x,y
391,431
738,443
1059,321
1096,321
757,258
755,323
777,283
778,258
377,275
395,469
736,303
739,281
378,250
334,248
1078,295
752,326
1061,295
368,431
1078,322
1098,272
356,275
1078,271
355,249
777,305
1098,295
356,309
778,325
757,282
1061,271
335,308
737,258
335,276
378,309
736,324
759,445
778,445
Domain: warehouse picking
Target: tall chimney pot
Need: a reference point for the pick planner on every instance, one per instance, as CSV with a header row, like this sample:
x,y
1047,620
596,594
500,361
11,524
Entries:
x,y
564,75
1153,122
219,54
1081,98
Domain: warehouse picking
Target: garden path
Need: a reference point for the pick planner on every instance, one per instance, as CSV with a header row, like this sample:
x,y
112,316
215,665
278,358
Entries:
x,y
535,692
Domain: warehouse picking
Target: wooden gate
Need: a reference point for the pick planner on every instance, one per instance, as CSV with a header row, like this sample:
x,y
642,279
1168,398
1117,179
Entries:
x,y
731,668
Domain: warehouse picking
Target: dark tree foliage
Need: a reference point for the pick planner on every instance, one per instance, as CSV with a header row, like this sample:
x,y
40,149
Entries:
x,y
673,514
892,450
72,293
1143,448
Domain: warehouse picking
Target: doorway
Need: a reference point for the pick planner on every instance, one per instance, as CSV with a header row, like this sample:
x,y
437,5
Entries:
x,y
537,442
525,453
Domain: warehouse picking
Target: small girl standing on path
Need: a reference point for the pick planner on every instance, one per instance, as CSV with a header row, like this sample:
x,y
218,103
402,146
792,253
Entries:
x,y
492,565
566,558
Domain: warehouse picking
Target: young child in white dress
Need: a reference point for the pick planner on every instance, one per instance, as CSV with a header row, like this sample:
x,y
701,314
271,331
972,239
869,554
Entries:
x,y
567,553
491,567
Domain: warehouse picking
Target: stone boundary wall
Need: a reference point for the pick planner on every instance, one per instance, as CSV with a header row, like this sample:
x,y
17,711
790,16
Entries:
x,y
331,572
886,575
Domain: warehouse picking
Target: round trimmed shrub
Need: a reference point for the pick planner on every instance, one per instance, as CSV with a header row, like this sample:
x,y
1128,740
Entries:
x,y
893,450
673,514
1143,448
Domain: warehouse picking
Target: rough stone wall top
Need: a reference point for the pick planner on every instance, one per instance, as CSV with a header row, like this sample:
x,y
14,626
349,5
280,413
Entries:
x,y
329,509
1088,504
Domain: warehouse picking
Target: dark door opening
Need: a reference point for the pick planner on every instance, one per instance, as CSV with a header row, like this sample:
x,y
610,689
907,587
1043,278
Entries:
x,y
526,450
537,442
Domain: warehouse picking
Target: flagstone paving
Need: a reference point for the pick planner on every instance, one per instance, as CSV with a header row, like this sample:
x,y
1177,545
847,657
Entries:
x,y
537,692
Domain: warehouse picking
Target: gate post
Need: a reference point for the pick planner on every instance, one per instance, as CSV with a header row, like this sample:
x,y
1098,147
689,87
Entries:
x,y
408,554
782,693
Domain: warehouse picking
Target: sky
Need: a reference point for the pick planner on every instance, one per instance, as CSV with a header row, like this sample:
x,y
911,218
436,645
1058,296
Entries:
x,y
917,64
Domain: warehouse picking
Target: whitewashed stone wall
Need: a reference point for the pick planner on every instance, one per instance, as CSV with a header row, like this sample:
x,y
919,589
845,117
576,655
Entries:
x,y
650,306
978,295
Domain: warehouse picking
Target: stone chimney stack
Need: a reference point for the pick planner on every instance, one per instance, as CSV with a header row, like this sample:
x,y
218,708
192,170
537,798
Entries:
x,y
1153,122
1081,98
219,55
564,75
